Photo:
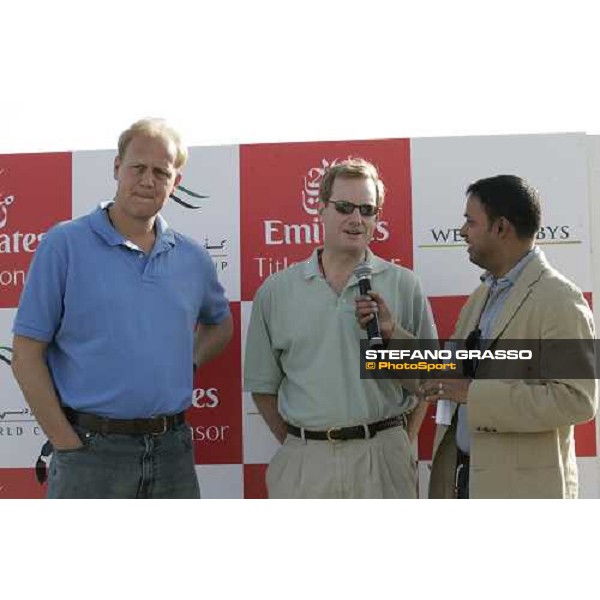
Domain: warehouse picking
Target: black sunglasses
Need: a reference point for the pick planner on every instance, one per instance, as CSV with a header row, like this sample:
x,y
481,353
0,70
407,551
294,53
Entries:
x,y
347,208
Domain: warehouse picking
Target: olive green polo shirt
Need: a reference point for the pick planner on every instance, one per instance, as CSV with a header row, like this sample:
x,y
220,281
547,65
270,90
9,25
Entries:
x,y
303,344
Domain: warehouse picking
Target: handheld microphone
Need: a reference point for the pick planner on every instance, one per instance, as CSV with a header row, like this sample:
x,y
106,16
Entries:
x,y
362,272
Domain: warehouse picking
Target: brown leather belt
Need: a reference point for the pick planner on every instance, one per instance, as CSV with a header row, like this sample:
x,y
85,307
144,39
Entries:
x,y
356,432
155,425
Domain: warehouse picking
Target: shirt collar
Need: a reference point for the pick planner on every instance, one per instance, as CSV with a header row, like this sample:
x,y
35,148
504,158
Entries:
x,y
311,266
511,277
165,236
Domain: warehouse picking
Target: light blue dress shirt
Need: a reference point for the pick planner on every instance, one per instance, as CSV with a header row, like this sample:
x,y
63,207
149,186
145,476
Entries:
x,y
498,293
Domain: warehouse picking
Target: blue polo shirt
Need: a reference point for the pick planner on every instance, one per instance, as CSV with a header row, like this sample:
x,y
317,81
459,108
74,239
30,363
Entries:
x,y
119,324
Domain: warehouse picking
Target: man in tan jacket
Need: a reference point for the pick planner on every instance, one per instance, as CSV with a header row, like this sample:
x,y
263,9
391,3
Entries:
x,y
513,436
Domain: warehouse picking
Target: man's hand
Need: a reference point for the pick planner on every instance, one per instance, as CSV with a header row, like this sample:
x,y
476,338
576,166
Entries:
x,y
68,446
267,407
31,372
368,306
415,420
456,389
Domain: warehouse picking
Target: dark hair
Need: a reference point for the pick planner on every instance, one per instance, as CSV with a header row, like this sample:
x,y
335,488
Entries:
x,y
510,197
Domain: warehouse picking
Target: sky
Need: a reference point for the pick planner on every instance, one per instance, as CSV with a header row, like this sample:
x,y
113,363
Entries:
x,y
73,75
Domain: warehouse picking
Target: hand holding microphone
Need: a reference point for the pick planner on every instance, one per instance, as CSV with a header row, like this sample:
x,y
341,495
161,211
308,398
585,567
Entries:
x,y
372,312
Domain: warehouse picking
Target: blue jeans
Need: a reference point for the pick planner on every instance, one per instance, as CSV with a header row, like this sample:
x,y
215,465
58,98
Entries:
x,y
126,466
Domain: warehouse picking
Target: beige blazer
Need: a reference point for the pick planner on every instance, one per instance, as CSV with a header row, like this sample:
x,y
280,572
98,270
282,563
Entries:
x,y
522,443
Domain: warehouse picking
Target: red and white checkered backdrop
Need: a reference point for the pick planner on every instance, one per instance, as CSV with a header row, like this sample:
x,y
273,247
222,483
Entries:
x,y
260,216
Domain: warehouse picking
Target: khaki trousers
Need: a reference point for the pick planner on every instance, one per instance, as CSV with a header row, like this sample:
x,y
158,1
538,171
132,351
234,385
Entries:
x,y
382,467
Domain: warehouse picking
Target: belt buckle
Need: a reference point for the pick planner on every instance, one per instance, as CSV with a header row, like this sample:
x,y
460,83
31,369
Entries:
x,y
329,432
164,427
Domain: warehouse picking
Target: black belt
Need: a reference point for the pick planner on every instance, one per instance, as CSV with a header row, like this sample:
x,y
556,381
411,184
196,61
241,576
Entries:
x,y
154,425
356,432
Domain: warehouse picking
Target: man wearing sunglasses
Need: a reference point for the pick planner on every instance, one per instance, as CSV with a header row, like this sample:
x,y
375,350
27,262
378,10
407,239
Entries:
x,y
342,436
512,434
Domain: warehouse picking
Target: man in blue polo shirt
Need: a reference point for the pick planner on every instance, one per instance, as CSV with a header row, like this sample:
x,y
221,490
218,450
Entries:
x,y
104,342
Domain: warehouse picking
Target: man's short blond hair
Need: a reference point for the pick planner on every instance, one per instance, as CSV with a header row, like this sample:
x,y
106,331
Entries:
x,y
352,168
153,127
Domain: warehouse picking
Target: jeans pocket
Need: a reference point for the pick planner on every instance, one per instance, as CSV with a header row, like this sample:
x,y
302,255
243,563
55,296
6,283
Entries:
x,y
62,452
184,434
88,440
